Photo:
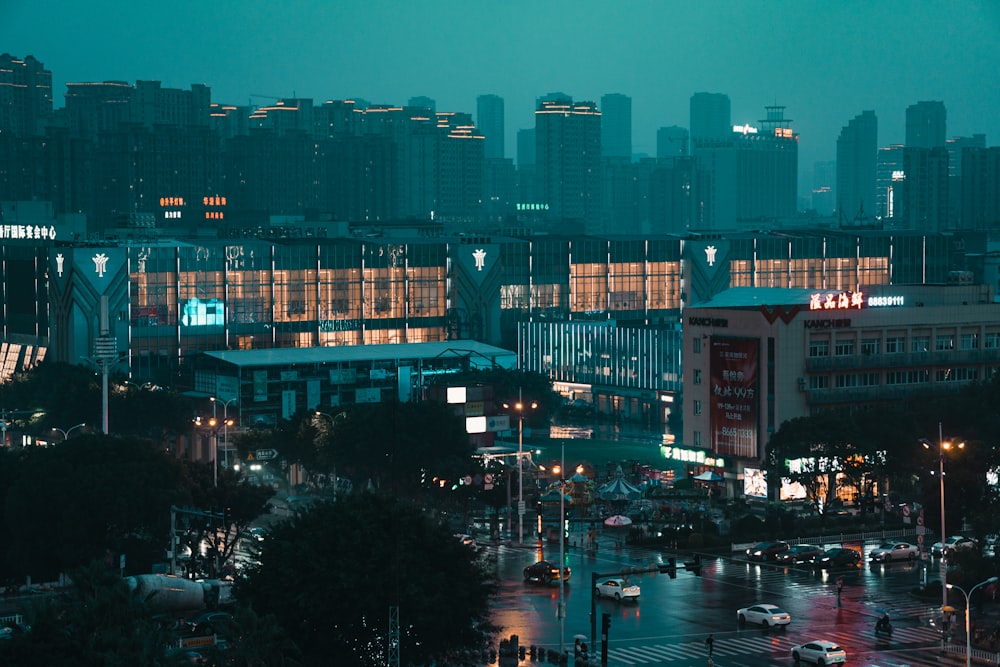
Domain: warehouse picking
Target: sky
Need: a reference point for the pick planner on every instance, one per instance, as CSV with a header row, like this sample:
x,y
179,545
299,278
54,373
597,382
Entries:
x,y
825,61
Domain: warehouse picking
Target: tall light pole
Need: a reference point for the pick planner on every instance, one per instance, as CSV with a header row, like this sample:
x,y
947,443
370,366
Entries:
x,y
561,471
226,423
968,605
519,406
942,446
333,421
65,434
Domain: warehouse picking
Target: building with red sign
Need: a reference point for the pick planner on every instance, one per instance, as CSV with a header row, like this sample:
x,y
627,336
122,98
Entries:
x,y
755,358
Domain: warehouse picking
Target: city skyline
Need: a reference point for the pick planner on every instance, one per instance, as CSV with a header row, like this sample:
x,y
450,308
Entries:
x,y
825,64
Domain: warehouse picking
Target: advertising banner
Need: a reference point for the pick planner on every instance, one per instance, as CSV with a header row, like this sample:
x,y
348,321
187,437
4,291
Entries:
x,y
735,403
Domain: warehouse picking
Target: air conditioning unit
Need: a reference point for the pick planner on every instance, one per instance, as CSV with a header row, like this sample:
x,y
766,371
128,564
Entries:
x,y
802,384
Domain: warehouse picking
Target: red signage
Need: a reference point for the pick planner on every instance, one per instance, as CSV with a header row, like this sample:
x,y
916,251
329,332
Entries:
x,y
734,406
836,301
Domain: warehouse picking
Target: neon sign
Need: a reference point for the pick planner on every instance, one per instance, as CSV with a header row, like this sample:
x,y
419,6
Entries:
x,y
836,301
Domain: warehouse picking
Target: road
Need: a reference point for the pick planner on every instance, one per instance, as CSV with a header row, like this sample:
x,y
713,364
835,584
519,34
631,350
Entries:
x,y
674,615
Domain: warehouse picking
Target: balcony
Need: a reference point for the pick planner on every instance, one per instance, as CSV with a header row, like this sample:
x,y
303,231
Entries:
x,y
903,360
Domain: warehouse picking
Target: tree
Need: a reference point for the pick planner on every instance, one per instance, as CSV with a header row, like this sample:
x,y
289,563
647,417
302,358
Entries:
x,y
330,574
87,499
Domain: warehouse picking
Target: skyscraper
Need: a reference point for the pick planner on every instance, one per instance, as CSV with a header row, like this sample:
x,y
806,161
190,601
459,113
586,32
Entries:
x,y
423,102
925,125
489,121
711,119
568,160
671,141
857,153
616,125
25,95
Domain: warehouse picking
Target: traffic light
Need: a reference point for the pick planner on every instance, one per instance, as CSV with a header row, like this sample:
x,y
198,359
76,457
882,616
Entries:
x,y
605,624
670,567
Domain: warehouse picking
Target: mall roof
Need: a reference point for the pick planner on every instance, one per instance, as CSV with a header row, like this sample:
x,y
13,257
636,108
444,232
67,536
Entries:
x,y
480,355
754,297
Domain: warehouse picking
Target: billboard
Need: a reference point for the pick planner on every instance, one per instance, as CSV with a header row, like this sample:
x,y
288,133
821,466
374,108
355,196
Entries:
x,y
755,482
734,407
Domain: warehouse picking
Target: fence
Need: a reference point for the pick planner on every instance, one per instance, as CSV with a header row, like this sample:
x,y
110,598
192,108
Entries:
x,y
978,654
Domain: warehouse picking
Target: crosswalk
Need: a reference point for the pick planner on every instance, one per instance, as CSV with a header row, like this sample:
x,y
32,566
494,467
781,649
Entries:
x,y
774,644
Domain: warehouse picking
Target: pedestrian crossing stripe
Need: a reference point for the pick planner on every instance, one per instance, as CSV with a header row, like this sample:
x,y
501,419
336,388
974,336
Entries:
x,y
735,646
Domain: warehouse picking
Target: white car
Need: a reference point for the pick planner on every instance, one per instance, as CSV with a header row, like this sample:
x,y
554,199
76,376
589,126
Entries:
x,y
618,589
891,551
953,543
819,652
766,615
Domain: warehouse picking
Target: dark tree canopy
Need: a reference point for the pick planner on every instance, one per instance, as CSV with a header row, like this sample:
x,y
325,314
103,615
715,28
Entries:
x,y
330,575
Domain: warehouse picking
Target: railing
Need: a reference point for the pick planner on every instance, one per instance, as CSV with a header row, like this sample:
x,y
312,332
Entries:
x,y
978,654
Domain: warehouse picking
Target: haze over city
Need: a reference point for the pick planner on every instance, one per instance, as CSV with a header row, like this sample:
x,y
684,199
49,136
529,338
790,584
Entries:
x,y
825,62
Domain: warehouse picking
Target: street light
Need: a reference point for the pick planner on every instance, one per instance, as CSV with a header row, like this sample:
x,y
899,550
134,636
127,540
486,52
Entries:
x,y
560,470
226,423
65,434
333,421
519,406
968,604
942,446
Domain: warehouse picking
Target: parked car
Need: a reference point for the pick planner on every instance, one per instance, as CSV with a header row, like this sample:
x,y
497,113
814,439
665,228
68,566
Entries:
x,y
953,543
766,615
800,553
838,557
545,572
616,588
819,652
891,551
765,551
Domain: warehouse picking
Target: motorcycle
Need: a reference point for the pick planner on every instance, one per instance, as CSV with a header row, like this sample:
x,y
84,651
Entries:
x,y
883,627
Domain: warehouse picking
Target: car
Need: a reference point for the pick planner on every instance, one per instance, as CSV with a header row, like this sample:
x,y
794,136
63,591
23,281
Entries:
x,y
765,615
764,551
616,588
546,571
953,543
800,553
466,539
819,652
838,557
890,551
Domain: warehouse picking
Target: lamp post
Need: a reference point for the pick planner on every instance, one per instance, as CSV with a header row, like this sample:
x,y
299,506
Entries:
x,y
560,470
968,605
65,434
519,406
333,421
226,423
942,446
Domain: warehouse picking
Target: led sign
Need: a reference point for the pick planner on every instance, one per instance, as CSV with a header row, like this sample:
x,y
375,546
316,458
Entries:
x,y
884,301
685,455
745,129
836,301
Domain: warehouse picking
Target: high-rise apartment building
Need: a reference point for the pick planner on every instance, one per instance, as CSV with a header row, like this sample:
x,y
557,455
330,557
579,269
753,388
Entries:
x,y
889,183
711,119
671,142
956,147
25,96
925,189
616,126
568,160
925,125
423,102
980,183
857,152
490,122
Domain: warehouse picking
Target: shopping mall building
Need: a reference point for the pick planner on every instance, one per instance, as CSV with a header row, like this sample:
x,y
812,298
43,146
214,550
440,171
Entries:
x,y
604,317
757,357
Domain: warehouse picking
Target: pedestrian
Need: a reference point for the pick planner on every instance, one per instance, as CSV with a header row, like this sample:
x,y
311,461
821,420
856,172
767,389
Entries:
x,y
709,644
